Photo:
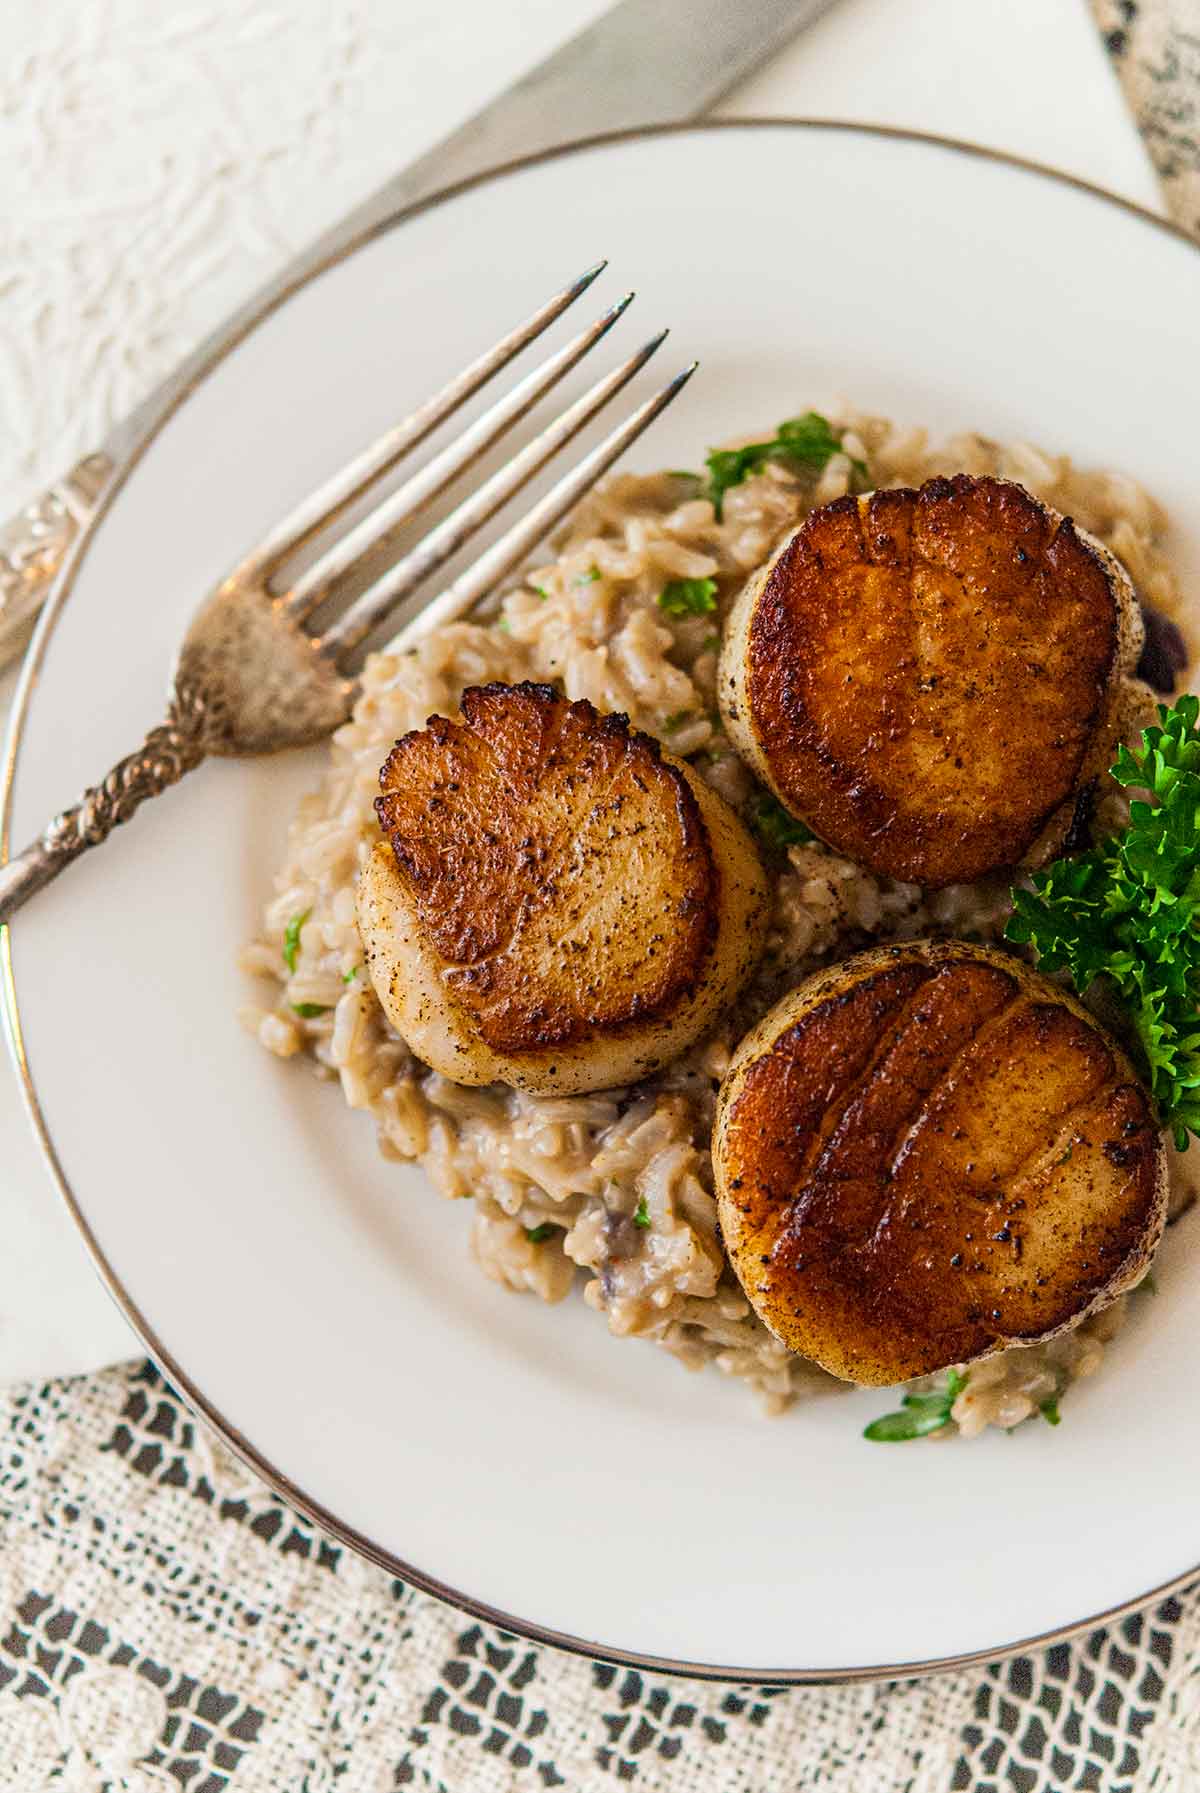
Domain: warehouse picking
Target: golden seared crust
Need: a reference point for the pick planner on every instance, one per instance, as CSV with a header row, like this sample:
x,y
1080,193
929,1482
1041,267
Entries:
x,y
558,867
925,674
927,1154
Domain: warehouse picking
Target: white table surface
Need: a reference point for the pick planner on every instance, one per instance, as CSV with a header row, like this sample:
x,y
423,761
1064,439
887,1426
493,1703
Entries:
x,y
157,163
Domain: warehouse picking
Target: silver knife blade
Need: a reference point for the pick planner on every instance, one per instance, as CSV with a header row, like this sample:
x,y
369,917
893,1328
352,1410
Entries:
x,y
643,62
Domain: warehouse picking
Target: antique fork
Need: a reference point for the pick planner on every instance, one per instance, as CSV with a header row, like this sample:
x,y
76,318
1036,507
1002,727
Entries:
x,y
251,678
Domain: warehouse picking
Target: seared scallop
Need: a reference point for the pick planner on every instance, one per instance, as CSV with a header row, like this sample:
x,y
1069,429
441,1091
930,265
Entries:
x,y
557,904
932,680
928,1153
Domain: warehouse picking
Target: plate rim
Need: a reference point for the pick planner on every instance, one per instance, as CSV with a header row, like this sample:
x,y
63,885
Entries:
x,y
160,407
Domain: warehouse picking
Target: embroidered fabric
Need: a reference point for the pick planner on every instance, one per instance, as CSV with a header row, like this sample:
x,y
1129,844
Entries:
x,y
1155,48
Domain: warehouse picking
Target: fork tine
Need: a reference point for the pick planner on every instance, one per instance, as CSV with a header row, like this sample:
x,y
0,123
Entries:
x,y
316,581
436,548
330,499
519,542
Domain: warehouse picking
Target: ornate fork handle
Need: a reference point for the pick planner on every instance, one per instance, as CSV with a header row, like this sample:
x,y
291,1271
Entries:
x,y
170,750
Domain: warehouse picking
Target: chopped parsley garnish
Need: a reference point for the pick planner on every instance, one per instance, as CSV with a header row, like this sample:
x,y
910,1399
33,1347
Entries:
x,y
1128,912
308,1011
807,441
537,1235
348,977
918,1415
675,721
1049,1411
641,1214
590,577
291,939
685,473
775,826
540,591
688,597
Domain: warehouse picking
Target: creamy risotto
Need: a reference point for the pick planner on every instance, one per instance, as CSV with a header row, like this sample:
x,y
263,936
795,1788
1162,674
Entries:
x,y
613,1191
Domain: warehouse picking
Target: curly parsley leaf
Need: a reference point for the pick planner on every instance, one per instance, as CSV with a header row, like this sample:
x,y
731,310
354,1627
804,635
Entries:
x,y
773,824
1128,911
308,1011
688,597
291,939
641,1215
537,1235
1049,1411
807,441
918,1415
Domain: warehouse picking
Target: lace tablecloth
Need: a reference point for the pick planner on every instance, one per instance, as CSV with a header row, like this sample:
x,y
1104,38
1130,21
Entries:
x,y
171,1623
167,1622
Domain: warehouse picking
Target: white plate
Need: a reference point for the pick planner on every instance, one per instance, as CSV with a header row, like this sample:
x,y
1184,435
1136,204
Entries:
x,y
318,1303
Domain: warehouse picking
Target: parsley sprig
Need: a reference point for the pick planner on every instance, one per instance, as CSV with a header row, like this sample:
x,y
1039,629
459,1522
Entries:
x,y
291,938
688,597
776,826
918,1415
807,441
1128,911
